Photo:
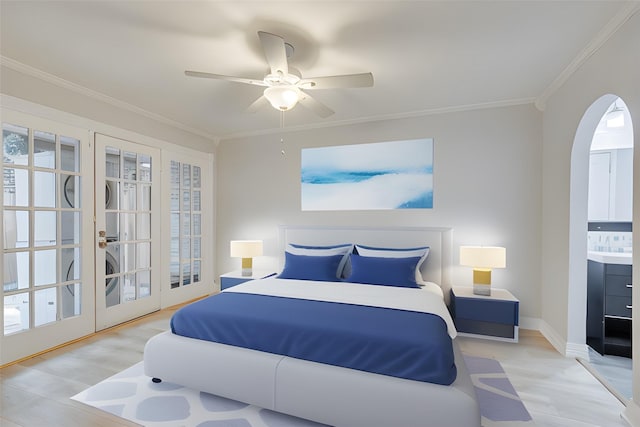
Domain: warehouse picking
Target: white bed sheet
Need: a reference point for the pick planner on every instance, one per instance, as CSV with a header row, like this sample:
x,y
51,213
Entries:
x,y
412,299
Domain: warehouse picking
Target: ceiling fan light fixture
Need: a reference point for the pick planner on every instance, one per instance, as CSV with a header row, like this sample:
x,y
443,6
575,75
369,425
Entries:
x,y
282,98
285,87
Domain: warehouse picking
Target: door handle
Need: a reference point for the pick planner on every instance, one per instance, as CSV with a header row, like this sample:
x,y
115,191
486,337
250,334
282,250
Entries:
x,y
102,239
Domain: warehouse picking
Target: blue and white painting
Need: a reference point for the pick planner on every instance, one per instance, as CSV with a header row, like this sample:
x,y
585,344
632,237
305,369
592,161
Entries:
x,y
383,175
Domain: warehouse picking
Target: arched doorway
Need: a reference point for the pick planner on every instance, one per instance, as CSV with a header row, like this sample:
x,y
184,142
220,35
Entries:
x,y
578,227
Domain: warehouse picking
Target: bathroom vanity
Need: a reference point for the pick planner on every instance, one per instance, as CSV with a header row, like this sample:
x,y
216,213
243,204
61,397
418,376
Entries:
x,y
609,304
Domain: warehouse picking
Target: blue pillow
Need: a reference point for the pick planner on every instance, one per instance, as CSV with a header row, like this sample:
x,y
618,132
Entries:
x,y
422,252
343,249
303,267
399,272
341,245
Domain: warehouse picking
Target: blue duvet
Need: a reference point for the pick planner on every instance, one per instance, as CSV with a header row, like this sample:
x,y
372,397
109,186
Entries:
x,y
403,344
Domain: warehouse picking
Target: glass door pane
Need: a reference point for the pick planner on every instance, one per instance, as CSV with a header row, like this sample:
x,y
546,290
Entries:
x,y
44,230
186,228
125,177
42,236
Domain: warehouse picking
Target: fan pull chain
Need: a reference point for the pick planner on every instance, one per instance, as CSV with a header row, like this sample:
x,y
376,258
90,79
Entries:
x,y
282,133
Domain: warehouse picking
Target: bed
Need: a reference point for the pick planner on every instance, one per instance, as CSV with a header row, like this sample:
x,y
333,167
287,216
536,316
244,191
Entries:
x,y
318,370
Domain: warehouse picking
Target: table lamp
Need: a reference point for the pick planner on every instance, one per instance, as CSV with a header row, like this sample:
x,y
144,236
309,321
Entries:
x,y
483,259
246,249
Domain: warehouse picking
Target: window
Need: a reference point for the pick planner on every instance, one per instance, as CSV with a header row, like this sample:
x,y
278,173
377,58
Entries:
x,y
186,224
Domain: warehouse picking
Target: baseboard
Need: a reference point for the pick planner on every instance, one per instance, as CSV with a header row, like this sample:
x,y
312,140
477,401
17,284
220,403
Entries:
x,y
631,414
553,337
577,350
532,323
568,349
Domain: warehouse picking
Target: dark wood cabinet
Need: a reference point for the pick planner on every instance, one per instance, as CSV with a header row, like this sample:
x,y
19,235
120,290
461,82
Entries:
x,y
609,308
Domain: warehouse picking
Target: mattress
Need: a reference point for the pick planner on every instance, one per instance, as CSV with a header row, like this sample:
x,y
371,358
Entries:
x,y
293,318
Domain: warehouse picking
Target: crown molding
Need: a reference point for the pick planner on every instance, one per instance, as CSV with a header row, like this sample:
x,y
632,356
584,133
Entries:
x,y
623,15
60,82
397,116
57,81
614,24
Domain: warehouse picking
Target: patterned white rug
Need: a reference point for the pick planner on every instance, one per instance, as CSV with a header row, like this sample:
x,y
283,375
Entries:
x,y
133,396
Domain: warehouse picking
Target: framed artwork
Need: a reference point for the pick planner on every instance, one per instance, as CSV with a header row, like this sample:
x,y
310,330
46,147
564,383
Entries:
x,y
382,175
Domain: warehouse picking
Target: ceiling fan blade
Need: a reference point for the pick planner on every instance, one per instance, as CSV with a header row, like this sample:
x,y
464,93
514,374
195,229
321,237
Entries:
x,y
314,105
343,81
228,78
257,104
275,52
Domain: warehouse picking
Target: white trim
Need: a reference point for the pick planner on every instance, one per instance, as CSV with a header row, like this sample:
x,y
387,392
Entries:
x,y
34,109
398,116
623,15
107,316
577,350
173,296
631,414
553,337
90,93
40,338
532,323
567,349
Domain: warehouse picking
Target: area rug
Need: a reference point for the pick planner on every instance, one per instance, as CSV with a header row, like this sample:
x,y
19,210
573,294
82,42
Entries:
x,y
500,404
133,396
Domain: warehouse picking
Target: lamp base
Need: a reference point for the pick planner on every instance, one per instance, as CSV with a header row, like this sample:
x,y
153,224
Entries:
x,y
481,289
247,266
482,281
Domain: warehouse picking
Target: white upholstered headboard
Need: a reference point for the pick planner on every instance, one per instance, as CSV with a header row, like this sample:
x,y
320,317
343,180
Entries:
x,y
440,240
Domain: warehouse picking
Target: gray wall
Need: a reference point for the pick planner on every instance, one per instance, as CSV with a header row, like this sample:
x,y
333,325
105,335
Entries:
x,y
487,167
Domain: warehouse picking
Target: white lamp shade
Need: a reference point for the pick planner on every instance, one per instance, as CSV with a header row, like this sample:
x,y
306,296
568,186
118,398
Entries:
x,y
246,248
283,97
483,256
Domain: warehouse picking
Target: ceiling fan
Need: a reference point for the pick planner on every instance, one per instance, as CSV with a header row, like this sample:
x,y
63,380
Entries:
x,y
285,87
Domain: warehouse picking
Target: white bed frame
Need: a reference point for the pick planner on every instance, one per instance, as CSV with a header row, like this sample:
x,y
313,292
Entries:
x,y
327,394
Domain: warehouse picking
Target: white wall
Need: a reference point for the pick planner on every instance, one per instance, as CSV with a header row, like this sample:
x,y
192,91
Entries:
x,y
562,115
613,70
52,93
487,167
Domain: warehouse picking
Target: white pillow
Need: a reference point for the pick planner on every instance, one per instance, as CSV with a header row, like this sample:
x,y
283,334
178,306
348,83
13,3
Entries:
x,y
422,252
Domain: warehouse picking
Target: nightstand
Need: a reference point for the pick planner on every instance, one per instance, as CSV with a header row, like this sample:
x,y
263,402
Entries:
x,y
492,317
233,278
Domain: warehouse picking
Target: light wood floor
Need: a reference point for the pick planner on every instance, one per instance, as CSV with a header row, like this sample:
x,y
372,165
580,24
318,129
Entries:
x,y
556,390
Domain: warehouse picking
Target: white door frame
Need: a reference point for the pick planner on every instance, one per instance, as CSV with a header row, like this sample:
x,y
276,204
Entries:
x,y
174,296
37,339
116,314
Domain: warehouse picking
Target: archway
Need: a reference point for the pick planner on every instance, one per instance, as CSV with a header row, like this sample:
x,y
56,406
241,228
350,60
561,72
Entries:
x,y
578,217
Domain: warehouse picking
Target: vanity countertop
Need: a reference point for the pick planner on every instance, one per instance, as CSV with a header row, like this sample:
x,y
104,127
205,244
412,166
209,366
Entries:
x,y
625,258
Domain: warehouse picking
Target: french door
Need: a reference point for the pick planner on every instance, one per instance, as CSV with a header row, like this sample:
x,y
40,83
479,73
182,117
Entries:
x,y
127,248
47,228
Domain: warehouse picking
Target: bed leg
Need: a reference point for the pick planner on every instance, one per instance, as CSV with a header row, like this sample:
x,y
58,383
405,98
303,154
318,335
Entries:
x,y
156,380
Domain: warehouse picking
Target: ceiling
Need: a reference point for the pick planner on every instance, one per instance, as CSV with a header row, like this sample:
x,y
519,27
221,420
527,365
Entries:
x,y
425,56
